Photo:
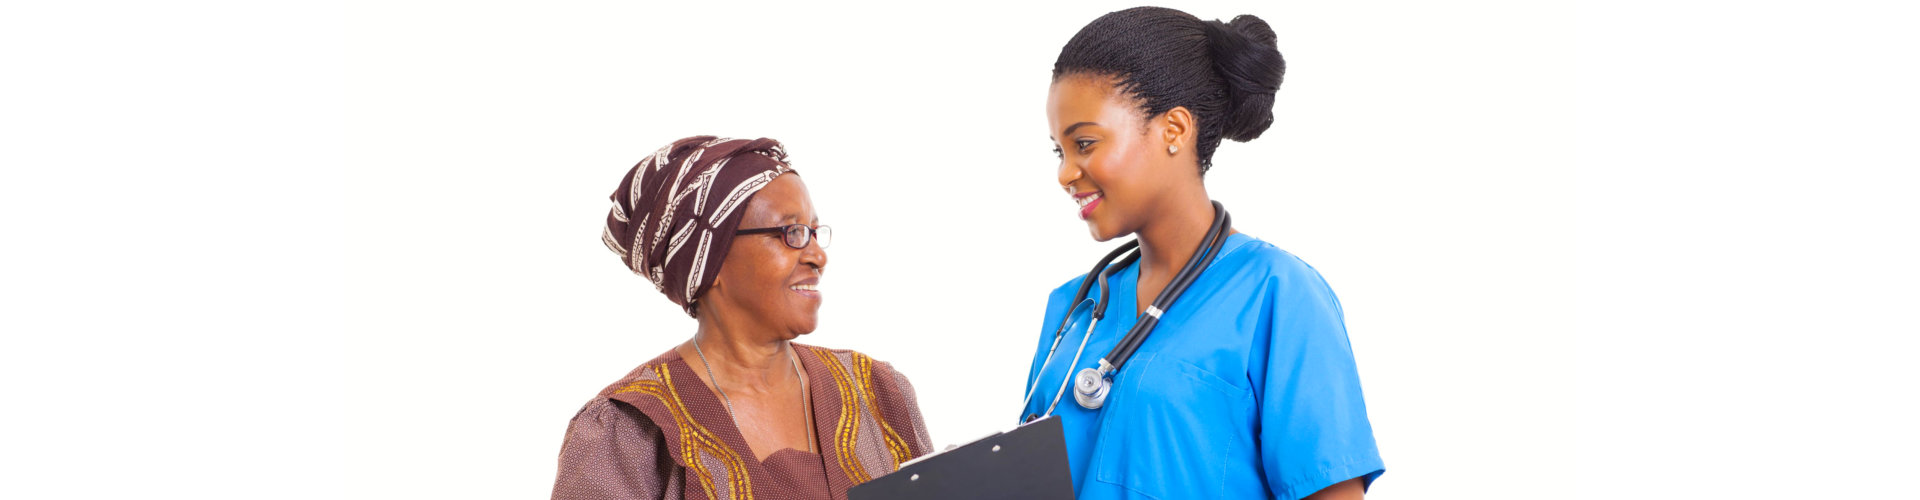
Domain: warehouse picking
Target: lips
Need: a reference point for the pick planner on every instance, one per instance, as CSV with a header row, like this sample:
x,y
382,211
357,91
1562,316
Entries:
x,y
1087,203
809,288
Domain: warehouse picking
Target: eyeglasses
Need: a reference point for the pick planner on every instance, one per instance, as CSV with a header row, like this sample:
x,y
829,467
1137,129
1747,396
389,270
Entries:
x,y
796,235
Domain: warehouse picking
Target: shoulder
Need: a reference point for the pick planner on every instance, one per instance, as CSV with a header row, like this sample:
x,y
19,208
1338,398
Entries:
x,y
855,362
1060,302
1253,256
648,371
612,411
855,371
1066,290
607,423
614,450
1258,254
604,415
877,390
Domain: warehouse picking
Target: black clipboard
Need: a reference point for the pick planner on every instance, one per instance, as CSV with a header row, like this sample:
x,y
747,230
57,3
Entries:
x,y
1028,462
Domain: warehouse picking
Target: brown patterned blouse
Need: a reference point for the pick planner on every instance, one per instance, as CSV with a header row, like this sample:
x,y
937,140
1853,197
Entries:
x,y
660,433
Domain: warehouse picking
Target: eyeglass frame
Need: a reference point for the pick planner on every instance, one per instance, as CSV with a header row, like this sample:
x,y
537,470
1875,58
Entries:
x,y
813,234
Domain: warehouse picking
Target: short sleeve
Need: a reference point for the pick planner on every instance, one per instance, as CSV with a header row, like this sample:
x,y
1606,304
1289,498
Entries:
x,y
1313,420
613,451
909,404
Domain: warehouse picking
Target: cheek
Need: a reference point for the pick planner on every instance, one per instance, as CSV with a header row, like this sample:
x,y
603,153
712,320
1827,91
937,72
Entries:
x,y
747,271
1115,170
769,278
771,274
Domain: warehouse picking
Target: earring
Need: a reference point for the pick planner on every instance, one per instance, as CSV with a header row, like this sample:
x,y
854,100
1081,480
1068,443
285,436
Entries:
x,y
1171,149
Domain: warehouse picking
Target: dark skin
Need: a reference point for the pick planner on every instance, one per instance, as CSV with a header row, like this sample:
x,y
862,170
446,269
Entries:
x,y
1109,147
755,306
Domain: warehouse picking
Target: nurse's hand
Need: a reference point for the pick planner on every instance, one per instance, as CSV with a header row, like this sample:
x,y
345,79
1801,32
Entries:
x,y
1350,489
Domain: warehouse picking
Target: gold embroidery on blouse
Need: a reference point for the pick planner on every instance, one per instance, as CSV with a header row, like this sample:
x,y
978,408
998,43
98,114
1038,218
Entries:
x,y
847,428
695,438
863,367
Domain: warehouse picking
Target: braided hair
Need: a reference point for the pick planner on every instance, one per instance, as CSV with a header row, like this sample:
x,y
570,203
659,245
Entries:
x,y
1225,73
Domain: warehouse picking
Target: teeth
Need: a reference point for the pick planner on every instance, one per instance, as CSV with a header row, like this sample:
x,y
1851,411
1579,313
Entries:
x,y
1089,199
810,288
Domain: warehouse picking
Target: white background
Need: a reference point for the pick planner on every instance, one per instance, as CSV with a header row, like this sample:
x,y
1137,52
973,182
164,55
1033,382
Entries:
x,y
1585,250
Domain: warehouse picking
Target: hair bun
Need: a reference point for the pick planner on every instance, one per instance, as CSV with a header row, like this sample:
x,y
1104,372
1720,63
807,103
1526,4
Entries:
x,y
1246,56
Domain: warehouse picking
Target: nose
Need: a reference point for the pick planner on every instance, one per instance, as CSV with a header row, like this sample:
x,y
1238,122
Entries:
x,y
814,256
1068,173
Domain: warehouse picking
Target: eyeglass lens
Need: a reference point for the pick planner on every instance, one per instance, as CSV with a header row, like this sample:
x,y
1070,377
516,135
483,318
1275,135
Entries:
x,y
798,235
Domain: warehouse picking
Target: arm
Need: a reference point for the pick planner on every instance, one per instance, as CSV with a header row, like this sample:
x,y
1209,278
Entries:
x,y
1315,438
613,451
923,442
1351,489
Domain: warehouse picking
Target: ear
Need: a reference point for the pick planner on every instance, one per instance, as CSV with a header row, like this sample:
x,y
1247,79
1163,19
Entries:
x,y
1176,128
703,311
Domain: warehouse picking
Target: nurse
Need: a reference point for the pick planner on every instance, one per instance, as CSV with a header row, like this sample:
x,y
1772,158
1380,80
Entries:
x,y
1247,387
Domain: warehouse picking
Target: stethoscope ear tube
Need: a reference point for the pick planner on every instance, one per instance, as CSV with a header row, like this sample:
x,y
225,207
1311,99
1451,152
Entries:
x,y
1086,283
1100,307
1080,299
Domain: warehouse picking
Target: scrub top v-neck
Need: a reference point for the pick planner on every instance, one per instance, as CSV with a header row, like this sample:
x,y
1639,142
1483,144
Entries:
x,y
1247,388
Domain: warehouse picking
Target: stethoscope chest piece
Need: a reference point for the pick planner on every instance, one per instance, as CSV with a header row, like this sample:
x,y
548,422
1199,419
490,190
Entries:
x,y
1090,388
1090,385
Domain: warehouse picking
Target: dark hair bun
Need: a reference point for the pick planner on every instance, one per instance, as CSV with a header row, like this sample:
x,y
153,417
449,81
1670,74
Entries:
x,y
1246,56
1225,73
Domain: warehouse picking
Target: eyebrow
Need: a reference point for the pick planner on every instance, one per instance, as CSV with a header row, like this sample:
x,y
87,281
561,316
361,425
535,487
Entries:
x,y
796,219
1070,128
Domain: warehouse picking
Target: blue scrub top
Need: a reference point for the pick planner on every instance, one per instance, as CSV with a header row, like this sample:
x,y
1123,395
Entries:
x,y
1246,389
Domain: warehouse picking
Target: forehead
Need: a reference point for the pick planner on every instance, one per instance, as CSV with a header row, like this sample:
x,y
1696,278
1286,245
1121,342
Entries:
x,y
1078,98
785,198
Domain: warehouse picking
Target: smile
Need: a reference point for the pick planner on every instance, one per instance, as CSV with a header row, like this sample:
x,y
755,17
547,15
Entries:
x,y
1087,203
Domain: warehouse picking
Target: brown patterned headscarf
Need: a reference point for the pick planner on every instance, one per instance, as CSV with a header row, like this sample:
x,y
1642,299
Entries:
x,y
675,213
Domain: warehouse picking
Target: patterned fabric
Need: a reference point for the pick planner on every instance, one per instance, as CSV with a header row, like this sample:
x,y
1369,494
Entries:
x,y
675,212
801,473
661,433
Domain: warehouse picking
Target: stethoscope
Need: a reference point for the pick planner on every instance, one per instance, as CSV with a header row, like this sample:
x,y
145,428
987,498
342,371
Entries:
x,y
1091,385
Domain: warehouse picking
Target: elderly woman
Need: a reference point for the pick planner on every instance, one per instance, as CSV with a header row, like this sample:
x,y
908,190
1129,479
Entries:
x,y
725,229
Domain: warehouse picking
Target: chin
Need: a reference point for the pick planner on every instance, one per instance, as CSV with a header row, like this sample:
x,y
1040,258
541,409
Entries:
x,y
806,326
1098,234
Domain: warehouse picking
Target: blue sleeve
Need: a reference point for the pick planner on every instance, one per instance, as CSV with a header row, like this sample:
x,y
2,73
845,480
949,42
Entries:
x,y
1313,421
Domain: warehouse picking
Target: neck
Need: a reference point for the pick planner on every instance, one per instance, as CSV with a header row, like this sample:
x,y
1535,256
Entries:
x,y
740,356
1170,239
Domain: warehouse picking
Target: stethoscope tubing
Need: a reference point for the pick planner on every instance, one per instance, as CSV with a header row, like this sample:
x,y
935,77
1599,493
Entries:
x,y
1057,335
1216,238
1210,247
1098,274
1064,381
